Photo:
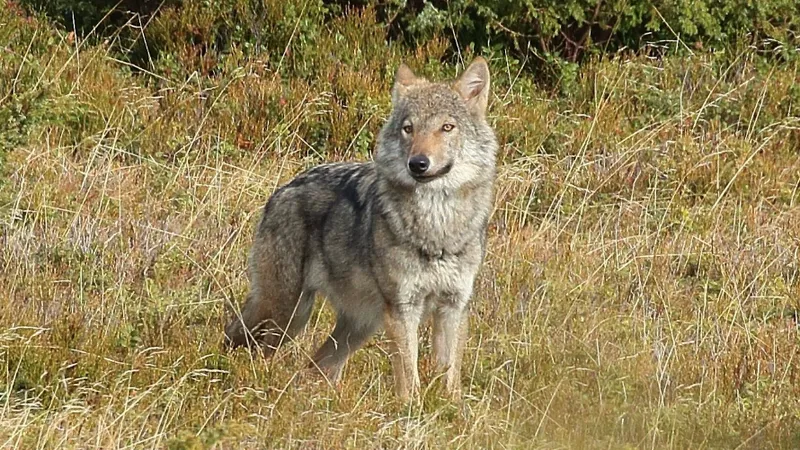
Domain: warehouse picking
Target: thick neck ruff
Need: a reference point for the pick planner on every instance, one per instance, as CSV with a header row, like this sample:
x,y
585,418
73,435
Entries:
x,y
438,221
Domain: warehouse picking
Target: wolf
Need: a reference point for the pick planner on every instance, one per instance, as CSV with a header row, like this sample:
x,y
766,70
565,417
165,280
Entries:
x,y
389,242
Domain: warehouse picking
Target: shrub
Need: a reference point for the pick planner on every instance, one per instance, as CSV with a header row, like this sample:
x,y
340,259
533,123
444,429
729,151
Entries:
x,y
573,28
556,34
82,16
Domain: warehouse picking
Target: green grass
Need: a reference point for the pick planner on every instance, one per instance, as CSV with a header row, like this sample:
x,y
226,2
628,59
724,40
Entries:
x,y
641,289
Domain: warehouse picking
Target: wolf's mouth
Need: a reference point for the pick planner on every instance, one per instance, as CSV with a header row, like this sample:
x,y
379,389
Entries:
x,y
425,178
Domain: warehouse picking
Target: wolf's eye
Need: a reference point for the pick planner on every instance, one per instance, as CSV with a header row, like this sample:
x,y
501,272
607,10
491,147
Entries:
x,y
408,129
448,127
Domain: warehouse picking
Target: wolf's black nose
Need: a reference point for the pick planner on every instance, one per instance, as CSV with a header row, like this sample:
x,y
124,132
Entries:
x,y
419,164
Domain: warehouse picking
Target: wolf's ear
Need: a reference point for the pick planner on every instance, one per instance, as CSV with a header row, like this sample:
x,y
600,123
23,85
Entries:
x,y
473,86
403,79
404,76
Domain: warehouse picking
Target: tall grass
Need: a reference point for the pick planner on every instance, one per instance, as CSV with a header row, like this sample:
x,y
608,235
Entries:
x,y
641,289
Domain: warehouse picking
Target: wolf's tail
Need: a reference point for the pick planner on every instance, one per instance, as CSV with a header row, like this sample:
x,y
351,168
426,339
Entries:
x,y
268,321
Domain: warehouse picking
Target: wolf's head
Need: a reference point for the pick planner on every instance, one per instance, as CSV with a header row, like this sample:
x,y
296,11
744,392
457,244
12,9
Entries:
x,y
437,135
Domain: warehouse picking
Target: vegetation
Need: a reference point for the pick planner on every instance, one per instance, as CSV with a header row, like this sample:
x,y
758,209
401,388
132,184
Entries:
x,y
642,286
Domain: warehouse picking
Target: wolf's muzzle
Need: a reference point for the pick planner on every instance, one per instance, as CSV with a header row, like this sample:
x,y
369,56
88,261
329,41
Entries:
x,y
425,178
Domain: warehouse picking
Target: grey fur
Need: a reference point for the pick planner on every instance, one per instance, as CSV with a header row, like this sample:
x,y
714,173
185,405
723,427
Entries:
x,y
385,248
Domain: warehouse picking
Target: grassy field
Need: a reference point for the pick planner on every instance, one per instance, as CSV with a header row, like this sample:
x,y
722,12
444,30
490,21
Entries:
x,y
641,289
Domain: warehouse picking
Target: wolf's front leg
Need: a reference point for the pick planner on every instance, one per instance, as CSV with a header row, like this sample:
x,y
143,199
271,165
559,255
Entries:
x,y
402,326
450,326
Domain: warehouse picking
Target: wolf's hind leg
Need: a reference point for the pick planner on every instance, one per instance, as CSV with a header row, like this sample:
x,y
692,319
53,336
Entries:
x,y
349,335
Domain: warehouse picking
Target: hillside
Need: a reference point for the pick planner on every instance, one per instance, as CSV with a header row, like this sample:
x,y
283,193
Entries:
x,y
641,289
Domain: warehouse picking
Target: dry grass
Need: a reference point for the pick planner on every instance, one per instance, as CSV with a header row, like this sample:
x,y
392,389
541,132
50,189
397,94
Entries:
x,y
642,286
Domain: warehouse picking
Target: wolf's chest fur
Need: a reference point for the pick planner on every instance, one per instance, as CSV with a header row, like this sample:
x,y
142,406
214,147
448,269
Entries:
x,y
437,223
437,241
